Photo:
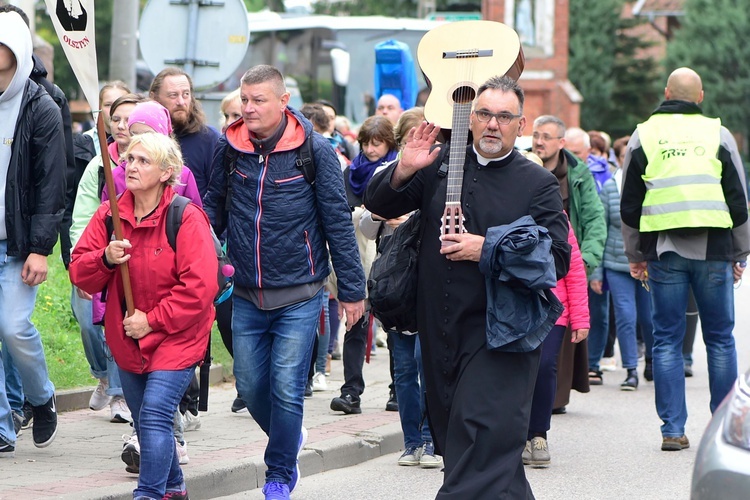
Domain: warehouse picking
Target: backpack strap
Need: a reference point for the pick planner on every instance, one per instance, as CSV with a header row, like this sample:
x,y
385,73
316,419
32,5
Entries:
x,y
225,200
174,218
306,161
230,165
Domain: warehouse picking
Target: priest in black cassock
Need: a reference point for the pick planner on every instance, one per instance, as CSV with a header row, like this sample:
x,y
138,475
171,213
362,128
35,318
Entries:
x,y
478,399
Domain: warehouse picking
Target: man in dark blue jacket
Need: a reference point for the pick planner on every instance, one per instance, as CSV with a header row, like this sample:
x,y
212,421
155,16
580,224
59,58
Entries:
x,y
32,201
280,226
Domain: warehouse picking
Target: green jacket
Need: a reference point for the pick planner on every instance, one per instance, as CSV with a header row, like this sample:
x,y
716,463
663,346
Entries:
x,y
586,212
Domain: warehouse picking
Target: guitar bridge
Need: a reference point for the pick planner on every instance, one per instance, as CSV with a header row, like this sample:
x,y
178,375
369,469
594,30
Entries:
x,y
462,54
453,222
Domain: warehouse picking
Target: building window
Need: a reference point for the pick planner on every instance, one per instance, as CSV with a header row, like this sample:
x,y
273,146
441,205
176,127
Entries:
x,y
534,21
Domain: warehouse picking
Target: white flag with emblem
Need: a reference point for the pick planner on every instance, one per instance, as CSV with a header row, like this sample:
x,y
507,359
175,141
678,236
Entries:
x,y
74,24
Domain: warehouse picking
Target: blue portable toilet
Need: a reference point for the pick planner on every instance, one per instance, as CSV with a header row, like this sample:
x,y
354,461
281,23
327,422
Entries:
x,y
395,72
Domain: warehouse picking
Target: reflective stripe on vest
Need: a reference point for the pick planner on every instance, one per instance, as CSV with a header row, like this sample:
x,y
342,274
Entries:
x,y
683,176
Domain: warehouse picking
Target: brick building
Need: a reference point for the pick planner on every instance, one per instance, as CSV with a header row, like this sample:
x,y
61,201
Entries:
x,y
543,28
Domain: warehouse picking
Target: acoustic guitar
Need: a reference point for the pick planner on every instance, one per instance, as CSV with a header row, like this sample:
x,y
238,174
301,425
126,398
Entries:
x,y
456,58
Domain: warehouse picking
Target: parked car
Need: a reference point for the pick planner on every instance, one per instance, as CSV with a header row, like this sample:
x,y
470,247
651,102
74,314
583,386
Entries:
x,y
722,464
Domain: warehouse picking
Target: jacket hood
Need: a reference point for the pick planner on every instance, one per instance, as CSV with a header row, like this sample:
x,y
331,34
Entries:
x,y
297,128
38,70
15,35
675,106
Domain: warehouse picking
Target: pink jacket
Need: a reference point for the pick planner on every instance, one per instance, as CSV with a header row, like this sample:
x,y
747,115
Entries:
x,y
572,290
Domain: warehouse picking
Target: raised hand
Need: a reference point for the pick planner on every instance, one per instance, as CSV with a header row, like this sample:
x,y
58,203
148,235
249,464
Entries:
x,y
416,154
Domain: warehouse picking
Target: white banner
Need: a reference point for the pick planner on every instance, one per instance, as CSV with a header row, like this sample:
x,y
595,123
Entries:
x,y
74,24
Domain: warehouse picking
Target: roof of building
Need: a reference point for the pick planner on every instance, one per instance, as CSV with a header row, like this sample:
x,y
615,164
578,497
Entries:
x,y
653,8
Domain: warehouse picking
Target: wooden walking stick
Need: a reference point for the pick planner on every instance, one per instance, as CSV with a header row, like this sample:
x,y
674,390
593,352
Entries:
x,y
110,186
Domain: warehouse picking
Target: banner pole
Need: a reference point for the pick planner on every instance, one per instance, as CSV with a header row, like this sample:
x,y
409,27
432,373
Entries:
x,y
115,210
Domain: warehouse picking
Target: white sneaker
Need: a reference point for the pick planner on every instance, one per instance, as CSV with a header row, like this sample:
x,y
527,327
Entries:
x,y
410,456
191,422
182,452
120,411
427,457
319,382
131,453
99,398
132,440
608,364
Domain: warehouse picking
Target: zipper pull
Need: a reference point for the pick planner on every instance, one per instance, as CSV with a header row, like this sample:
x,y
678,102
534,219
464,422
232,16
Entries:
x,y
261,160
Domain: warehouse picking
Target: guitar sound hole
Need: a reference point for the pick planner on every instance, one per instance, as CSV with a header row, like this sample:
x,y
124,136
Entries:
x,y
463,95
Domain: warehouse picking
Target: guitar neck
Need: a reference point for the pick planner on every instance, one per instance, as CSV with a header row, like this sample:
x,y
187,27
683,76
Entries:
x,y
457,151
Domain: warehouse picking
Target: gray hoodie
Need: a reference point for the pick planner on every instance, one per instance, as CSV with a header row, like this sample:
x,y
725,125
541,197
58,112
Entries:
x,y
15,35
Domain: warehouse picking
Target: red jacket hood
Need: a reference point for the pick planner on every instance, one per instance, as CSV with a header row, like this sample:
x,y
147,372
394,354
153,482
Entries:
x,y
238,135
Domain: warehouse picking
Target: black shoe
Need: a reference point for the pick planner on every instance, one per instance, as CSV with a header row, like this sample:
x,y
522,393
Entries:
x,y
336,355
45,423
688,370
308,389
648,371
17,423
28,415
392,404
346,403
238,405
631,382
559,411
7,450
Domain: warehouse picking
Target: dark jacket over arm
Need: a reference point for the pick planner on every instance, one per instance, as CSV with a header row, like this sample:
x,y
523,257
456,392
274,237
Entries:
x,y
35,190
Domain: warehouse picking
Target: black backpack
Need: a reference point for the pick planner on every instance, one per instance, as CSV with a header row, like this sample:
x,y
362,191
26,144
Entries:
x,y
226,270
392,285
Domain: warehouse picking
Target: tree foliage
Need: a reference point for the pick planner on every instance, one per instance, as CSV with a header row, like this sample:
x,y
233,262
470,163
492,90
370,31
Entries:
x,y
617,83
393,8
710,41
638,82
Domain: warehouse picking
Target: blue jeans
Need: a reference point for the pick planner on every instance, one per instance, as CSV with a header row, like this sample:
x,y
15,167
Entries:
x,y
409,392
13,384
272,352
101,362
632,305
670,278
597,339
22,340
153,399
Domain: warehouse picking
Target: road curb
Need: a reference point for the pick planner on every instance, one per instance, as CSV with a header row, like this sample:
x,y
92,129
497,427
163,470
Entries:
x,y
221,479
78,398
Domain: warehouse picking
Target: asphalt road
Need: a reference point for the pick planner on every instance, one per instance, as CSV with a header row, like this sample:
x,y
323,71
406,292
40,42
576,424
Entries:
x,y
606,447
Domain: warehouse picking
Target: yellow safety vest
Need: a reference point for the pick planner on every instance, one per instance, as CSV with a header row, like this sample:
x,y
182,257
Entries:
x,y
683,176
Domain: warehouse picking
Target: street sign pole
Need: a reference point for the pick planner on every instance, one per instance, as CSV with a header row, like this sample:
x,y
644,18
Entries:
x,y
192,40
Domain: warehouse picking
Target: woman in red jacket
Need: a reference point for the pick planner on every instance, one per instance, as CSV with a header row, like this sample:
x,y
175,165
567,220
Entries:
x,y
572,291
157,347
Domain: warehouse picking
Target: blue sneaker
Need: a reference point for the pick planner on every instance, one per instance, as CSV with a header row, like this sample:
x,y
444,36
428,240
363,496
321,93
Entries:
x,y
295,473
276,491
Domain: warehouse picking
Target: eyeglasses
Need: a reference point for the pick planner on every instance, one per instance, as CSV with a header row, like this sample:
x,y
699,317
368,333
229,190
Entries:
x,y
544,137
503,118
